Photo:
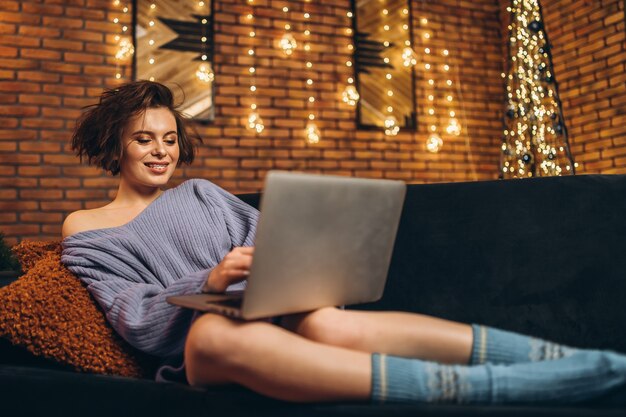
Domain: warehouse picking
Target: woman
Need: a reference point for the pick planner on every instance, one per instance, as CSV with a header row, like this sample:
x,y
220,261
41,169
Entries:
x,y
148,244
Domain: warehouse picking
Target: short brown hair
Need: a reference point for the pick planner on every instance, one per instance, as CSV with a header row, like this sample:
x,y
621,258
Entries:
x,y
98,132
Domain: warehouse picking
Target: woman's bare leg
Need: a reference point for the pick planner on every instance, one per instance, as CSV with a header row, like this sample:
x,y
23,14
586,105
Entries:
x,y
394,333
274,362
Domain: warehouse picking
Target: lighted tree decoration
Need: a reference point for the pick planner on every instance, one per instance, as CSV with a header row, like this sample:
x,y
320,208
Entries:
x,y
535,141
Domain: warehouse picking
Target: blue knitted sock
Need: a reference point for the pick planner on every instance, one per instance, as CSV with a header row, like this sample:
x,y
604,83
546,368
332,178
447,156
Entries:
x,y
584,376
497,346
404,380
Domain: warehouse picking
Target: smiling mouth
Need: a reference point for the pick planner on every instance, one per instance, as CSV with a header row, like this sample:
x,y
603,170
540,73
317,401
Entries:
x,y
157,166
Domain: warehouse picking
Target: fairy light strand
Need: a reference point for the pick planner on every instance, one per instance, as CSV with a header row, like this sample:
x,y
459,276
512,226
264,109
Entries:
x,y
255,122
125,48
204,73
390,123
287,43
350,95
312,132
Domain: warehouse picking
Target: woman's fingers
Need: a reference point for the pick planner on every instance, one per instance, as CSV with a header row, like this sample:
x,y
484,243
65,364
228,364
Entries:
x,y
234,267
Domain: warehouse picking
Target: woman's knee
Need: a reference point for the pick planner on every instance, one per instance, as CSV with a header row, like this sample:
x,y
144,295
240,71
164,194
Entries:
x,y
331,326
210,341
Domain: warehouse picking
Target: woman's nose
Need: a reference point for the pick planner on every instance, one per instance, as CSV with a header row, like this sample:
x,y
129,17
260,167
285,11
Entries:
x,y
159,148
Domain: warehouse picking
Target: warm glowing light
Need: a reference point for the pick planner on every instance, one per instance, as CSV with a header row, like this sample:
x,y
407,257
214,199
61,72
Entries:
x,y
453,128
255,122
409,58
350,95
287,43
312,133
205,73
125,49
434,143
391,126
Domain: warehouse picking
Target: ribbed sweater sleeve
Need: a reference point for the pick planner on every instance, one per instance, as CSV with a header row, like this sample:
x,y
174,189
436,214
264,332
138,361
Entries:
x,y
168,249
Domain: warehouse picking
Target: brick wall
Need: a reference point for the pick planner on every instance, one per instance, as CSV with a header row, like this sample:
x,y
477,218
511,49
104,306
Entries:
x,y
589,52
56,56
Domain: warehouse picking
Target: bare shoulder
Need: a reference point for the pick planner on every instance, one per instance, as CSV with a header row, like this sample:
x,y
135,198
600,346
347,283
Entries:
x,y
79,221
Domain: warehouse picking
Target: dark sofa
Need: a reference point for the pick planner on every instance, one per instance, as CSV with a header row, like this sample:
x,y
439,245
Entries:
x,y
540,256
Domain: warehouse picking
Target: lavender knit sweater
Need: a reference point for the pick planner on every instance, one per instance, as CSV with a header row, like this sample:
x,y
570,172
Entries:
x,y
168,249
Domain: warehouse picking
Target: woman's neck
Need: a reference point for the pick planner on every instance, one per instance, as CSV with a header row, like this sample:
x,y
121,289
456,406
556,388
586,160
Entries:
x,y
130,196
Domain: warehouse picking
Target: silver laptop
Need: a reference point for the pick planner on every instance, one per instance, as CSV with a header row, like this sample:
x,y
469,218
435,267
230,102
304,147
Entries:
x,y
321,241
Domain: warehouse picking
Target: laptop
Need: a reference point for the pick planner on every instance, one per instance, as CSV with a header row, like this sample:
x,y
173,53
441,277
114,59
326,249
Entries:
x,y
321,241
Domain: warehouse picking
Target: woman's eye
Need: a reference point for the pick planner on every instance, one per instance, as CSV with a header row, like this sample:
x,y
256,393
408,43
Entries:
x,y
170,141
143,140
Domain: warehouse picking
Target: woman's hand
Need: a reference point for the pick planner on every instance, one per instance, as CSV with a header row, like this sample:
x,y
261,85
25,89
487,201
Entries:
x,y
233,268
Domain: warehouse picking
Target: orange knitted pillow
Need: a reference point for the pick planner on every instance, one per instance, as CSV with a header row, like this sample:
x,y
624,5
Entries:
x,y
49,312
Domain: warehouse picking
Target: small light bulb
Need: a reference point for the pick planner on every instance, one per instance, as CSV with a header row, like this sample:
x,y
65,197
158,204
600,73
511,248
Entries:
x,y
391,126
312,133
434,143
350,95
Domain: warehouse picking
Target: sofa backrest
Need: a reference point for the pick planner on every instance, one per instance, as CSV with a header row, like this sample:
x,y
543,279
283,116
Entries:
x,y
543,256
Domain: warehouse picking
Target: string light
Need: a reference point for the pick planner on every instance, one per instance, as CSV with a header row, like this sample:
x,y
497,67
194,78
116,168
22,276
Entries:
x,y
350,95
311,131
255,122
535,140
125,48
434,142
390,123
287,42
204,73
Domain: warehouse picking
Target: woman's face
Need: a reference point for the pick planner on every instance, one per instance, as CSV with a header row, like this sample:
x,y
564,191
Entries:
x,y
150,148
